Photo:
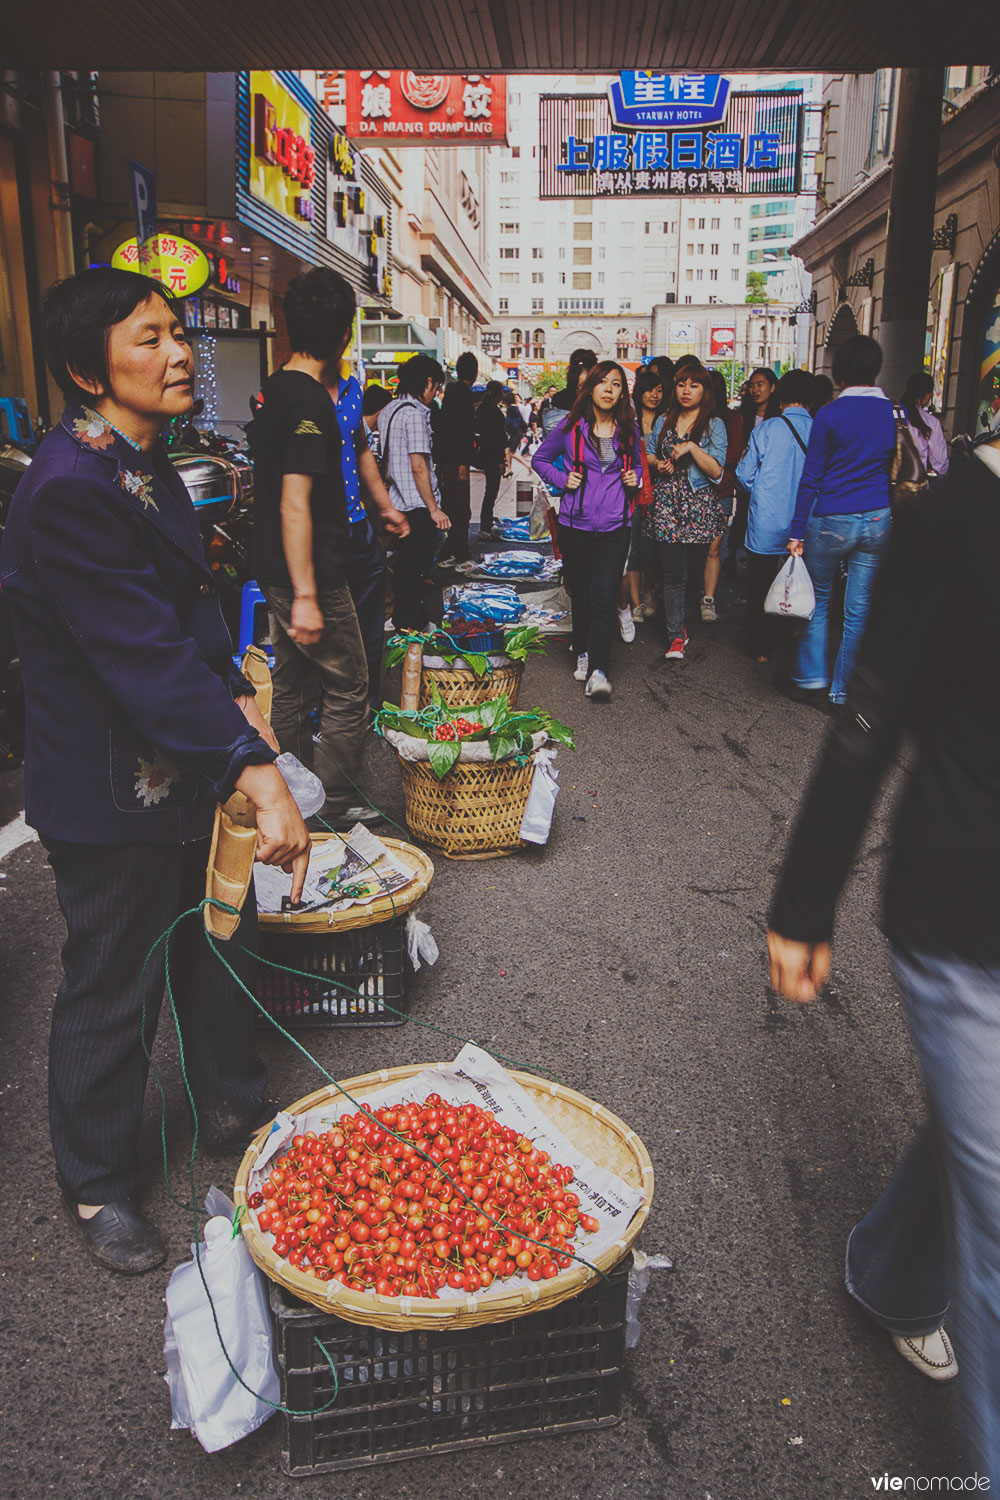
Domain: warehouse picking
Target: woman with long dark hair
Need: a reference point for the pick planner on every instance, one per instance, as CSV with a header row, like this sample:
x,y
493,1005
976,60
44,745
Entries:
x,y
925,429
758,402
647,398
603,473
686,512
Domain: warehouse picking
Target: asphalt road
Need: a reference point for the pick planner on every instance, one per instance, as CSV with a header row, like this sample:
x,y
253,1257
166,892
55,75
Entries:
x,y
633,955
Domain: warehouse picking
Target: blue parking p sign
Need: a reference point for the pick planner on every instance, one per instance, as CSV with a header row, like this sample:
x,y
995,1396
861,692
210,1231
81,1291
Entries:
x,y
143,191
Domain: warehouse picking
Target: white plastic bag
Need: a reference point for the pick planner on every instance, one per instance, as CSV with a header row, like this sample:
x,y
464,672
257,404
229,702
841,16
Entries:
x,y
638,1284
420,942
791,594
205,1395
537,821
304,785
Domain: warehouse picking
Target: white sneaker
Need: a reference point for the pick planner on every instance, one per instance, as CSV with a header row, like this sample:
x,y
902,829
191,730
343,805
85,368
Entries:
x,y
598,686
626,624
708,614
932,1354
580,675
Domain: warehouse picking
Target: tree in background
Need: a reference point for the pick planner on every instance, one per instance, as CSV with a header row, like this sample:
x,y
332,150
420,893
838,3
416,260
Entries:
x,y
550,374
757,287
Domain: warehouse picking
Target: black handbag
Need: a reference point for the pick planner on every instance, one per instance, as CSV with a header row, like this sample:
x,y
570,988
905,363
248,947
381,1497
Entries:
x,y
907,476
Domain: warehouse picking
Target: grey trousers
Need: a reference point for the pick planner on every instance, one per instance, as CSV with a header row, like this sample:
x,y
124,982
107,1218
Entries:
x,y
331,677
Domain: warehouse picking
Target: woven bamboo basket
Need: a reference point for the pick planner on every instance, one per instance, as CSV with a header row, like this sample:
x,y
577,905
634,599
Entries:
x,y
461,688
380,910
605,1138
234,832
474,813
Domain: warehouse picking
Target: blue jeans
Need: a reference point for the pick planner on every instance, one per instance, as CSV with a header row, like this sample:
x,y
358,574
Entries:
x,y
859,540
937,1225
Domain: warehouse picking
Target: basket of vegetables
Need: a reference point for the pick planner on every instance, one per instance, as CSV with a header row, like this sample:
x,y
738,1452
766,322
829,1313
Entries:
x,y
399,1208
467,664
467,773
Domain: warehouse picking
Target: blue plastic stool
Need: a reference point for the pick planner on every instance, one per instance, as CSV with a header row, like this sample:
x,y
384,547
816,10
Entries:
x,y
254,623
15,423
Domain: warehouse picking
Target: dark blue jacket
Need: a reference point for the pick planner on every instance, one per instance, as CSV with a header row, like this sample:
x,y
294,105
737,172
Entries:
x,y
132,733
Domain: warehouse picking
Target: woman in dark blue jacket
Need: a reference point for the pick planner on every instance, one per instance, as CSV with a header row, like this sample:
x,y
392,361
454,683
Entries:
x,y
137,725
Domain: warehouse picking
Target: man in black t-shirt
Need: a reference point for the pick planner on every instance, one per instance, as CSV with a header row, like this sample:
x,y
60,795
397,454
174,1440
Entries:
x,y
300,553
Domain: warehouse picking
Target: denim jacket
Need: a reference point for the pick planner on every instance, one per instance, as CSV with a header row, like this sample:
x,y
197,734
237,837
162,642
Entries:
x,y
714,443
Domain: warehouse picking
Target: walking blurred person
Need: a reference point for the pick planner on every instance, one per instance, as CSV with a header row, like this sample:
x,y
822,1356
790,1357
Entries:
x,y
454,445
842,513
925,429
770,471
491,431
602,473
686,513
931,1245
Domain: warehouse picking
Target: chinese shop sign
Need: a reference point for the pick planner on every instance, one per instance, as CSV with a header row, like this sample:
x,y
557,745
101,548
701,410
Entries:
x,y
668,101
282,157
758,150
441,108
182,267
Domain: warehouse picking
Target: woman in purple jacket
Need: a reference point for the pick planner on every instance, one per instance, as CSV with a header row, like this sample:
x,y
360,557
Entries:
x,y
596,457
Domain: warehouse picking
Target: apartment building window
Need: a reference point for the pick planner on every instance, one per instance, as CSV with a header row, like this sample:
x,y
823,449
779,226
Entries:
x,y
509,278
584,206
625,305
715,223
701,223
687,299
671,278
515,152
538,343
701,247
601,252
736,249
689,274
508,177
602,226
690,247
736,274
581,304
628,230
510,228
562,278
583,230
581,255
503,304
538,305
581,281
537,252
737,223
713,275
600,278
515,343
690,223
562,252
537,277
509,252
713,249
699,274
508,204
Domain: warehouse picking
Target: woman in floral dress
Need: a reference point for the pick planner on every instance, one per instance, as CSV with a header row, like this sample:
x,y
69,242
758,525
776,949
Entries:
x,y
686,512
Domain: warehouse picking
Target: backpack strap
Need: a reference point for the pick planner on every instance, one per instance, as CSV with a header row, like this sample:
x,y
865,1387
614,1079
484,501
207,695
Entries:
x,y
795,433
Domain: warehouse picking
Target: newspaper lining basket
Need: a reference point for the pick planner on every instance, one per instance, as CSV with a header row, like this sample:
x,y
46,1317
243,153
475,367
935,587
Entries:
x,y
475,812
605,1138
461,688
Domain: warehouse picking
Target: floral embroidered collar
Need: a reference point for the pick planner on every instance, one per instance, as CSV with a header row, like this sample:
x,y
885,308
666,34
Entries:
x,y
97,433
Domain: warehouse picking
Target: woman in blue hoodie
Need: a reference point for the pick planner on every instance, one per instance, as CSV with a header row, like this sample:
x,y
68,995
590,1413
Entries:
x,y
602,471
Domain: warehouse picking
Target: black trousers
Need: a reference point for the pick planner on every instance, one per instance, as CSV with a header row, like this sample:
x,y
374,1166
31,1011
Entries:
x,y
366,572
492,472
410,560
593,564
766,632
456,502
117,900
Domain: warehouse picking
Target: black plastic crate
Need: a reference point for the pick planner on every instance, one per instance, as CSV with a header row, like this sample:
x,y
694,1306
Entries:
x,y
370,960
410,1394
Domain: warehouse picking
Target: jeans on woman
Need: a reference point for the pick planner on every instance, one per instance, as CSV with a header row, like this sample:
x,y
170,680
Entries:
x,y
679,561
858,540
593,563
936,1227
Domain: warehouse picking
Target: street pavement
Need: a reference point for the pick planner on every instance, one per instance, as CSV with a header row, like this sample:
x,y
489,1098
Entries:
x,y
628,958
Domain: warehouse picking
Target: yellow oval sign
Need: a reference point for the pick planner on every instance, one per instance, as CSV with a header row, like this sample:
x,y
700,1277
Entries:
x,y
182,267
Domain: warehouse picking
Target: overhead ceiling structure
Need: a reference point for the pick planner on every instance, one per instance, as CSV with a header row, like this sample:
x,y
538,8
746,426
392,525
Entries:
x,y
491,36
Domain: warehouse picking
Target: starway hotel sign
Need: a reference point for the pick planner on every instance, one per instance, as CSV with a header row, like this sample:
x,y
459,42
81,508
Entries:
x,y
668,101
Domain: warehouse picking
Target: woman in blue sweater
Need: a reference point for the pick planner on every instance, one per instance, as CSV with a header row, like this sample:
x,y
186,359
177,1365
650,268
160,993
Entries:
x,y
842,513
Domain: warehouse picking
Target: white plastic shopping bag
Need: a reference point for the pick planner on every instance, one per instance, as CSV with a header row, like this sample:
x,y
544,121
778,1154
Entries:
x,y
205,1395
537,821
791,593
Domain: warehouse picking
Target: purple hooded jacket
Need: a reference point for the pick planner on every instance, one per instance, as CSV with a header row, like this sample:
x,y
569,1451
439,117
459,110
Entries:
x,y
602,503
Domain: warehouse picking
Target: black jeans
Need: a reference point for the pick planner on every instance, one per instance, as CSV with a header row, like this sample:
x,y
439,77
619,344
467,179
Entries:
x,y
766,632
410,561
456,503
593,564
331,676
366,572
492,473
117,899
679,562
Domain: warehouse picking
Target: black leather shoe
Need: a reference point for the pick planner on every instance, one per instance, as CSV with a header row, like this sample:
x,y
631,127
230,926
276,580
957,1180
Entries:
x,y
119,1237
225,1137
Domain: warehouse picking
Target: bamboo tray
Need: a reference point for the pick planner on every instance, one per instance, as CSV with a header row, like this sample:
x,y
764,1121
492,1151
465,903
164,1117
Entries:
x,y
382,909
605,1138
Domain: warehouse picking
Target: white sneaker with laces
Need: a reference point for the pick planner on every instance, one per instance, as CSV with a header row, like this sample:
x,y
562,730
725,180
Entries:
x,y
580,675
598,686
932,1354
708,613
626,624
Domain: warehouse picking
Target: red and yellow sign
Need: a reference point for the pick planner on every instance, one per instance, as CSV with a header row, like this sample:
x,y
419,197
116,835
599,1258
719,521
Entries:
x,y
282,158
183,268
435,108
